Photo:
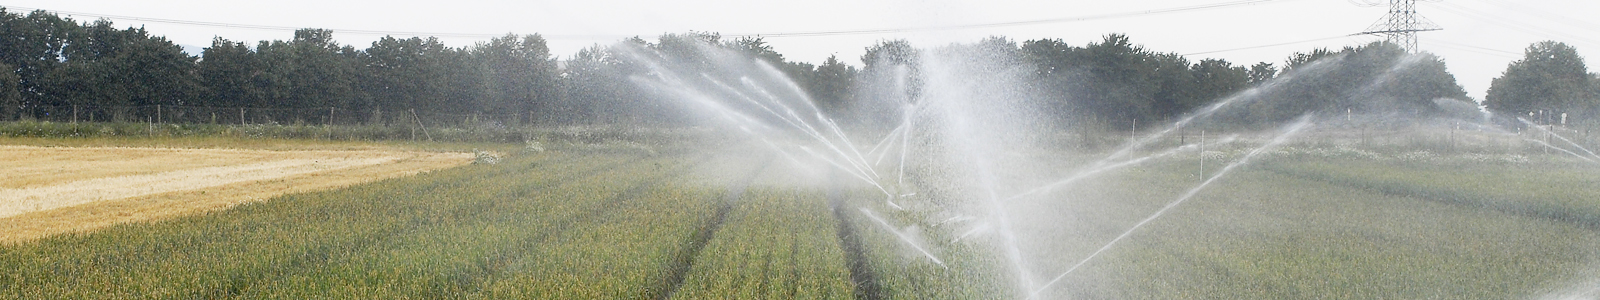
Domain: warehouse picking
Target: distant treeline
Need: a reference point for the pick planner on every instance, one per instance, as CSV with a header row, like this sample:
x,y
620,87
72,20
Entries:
x,y
59,62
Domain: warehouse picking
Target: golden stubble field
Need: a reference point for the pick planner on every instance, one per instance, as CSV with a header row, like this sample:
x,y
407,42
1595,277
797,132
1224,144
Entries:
x,y
52,190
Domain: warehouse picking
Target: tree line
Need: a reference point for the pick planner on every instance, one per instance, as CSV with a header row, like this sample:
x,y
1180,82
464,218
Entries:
x,y
60,62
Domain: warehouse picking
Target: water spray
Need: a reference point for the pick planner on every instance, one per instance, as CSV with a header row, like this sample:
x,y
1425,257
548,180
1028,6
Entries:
x,y
903,237
1087,173
1280,139
1563,139
1090,172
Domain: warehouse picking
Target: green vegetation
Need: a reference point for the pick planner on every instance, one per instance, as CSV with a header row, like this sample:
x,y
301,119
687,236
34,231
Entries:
x,y
536,225
1261,234
66,70
542,136
614,220
1555,188
774,244
1550,81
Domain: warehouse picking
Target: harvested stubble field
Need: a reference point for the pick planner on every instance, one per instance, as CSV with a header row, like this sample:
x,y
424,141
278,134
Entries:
x,y
51,190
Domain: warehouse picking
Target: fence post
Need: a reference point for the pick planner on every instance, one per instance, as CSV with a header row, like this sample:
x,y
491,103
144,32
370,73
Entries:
x,y
158,113
419,124
241,116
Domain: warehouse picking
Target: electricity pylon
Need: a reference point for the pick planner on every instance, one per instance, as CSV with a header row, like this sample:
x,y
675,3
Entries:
x,y
1402,24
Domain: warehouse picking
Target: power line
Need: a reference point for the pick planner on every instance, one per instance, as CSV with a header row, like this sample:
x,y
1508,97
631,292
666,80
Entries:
x,y
774,35
1551,16
1272,45
1510,23
290,28
1014,23
1496,51
1477,50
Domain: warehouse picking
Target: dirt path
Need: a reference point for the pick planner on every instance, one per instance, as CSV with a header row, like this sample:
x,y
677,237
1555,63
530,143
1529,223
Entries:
x,y
45,191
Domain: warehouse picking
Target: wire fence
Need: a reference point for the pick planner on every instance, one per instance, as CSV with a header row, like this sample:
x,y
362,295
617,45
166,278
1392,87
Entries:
x,y
331,123
178,114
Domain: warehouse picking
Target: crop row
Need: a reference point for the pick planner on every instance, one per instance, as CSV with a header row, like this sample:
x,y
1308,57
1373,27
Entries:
x,y
1336,229
773,244
1257,234
545,226
894,268
1557,190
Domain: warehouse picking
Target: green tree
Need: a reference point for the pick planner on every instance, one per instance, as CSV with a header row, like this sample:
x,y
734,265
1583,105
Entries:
x,y
891,76
106,66
1056,74
1377,78
230,75
1119,86
403,74
758,48
10,97
34,45
309,71
521,77
831,84
588,83
1550,77
1262,72
1216,78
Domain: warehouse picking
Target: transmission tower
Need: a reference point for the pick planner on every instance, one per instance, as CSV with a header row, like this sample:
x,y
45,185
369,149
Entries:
x,y
1402,24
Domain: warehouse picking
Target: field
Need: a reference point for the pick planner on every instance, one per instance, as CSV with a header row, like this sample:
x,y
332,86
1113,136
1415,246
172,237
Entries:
x,y
50,190
723,219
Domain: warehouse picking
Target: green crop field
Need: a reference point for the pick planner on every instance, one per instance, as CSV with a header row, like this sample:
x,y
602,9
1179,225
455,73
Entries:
x,y
729,221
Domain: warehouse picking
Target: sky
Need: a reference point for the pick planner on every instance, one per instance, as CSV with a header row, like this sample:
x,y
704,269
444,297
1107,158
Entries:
x,y
1479,37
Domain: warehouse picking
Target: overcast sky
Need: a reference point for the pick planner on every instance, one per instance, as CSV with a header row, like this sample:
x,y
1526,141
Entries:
x,y
1479,39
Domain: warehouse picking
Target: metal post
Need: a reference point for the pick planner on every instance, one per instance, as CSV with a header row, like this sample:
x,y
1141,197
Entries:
x,y
1202,155
414,117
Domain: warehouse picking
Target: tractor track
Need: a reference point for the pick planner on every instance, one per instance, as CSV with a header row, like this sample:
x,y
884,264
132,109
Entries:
x,y
685,261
